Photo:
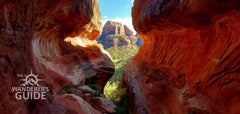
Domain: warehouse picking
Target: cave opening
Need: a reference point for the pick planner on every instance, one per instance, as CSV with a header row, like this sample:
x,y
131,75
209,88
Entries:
x,y
122,42
189,62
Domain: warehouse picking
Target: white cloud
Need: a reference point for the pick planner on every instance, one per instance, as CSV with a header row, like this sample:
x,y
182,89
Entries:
x,y
132,1
104,17
125,21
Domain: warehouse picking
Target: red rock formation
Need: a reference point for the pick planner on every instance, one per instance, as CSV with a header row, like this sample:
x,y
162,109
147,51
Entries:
x,y
55,39
116,34
189,62
113,28
128,31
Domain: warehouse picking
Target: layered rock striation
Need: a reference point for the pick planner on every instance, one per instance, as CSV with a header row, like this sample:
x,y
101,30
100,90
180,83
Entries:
x,y
57,41
189,62
116,34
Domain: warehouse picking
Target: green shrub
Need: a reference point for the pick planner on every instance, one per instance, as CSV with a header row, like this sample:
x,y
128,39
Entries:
x,y
91,84
113,91
67,90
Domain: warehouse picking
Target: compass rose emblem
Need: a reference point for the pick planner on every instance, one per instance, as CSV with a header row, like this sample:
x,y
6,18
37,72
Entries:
x,y
31,80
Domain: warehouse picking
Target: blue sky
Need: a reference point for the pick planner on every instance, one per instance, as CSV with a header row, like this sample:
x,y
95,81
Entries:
x,y
116,10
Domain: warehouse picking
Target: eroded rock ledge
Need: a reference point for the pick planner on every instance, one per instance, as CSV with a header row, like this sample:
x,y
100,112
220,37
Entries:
x,y
189,62
55,39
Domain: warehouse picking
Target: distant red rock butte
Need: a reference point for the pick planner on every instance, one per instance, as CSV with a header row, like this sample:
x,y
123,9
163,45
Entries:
x,y
116,34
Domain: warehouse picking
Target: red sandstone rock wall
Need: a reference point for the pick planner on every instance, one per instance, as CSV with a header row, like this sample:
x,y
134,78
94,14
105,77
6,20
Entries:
x,y
55,39
189,62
